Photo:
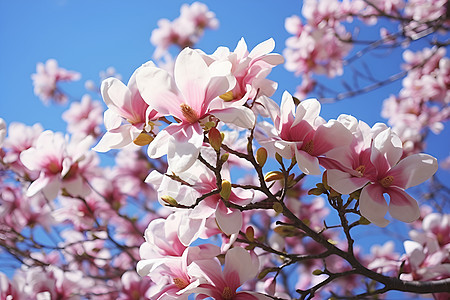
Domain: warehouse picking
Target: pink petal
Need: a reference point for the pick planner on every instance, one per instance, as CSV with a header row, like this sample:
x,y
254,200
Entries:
x,y
402,206
158,89
308,110
414,170
115,94
307,163
228,219
192,77
389,145
239,116
330,136
343,182
240,261
372,204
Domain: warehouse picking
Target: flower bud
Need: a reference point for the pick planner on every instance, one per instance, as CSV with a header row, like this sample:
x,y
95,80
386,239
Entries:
x,y
225,192
273,175
261,156
277,207
143,139
317,272
169,200
215,138
224,157
250,233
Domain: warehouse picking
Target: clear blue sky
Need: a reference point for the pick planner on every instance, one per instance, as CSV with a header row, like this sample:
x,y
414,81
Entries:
x,y
89,36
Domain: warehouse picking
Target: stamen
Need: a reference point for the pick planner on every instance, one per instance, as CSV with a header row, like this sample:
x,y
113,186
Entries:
x,y
387,181
361,169
180,283
190,114
308,147
227,293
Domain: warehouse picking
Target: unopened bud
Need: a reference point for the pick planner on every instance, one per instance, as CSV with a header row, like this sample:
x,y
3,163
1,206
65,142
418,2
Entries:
x,y
273,175
261,156
169,200
215,138
317,272
315,191
250,233
143,139
363,221
224,157
286,230
225,192
277,207
279,158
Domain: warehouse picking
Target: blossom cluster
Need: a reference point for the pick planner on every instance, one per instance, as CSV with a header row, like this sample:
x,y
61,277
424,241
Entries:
x,y
171,220
185,30
423,102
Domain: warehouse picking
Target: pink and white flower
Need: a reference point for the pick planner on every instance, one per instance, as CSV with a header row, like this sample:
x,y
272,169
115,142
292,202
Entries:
x,y
46,78
381,167
188,97
300,131
127,117
240,266
61,165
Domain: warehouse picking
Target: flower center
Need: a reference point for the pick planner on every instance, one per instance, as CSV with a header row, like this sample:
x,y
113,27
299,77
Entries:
x,y
189,113
180,283
227,293
387,181
308,147
361,169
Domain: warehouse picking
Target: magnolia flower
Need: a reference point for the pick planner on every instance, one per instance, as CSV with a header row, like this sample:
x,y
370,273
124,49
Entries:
x,y
239,267
300,131
60,164
250,70
188,97
381,167
46,78
127,115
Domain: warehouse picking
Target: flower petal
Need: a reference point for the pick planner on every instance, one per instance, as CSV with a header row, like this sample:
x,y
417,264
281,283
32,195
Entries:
x,y
228,219
414,170
343,182
402,206
372,204
307,163
239,116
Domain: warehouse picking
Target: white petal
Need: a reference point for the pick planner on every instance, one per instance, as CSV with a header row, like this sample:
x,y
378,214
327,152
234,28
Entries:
x,y
307,163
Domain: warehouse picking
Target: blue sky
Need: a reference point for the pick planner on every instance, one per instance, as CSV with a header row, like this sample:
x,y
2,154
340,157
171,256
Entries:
x,y
89,36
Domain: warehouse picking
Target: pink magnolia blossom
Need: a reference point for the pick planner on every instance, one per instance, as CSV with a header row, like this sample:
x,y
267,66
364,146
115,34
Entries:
x,y
20,137
127,116
200,180
386,174
189,98
84,117
46,78
60,164
300,131
428,253
250,70
315,50
185,30
239,267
